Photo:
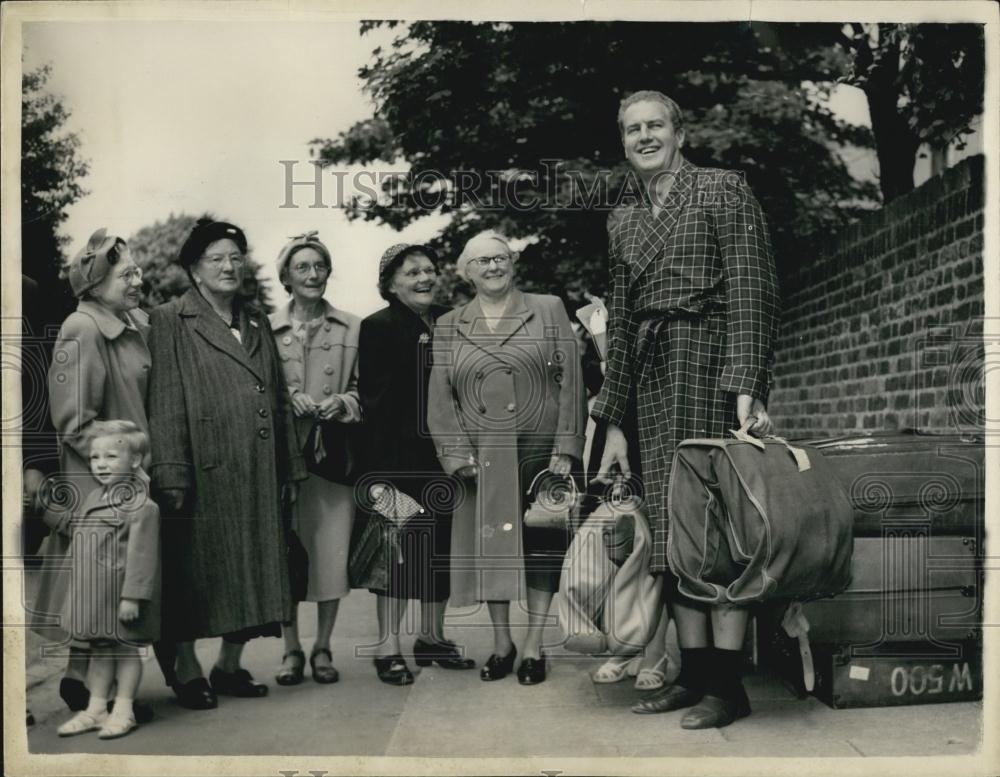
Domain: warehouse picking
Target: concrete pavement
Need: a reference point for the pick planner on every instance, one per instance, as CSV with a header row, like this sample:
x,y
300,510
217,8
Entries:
x,y
449,713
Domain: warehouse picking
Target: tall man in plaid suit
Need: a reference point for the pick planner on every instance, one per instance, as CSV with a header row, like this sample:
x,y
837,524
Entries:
x,y
692,317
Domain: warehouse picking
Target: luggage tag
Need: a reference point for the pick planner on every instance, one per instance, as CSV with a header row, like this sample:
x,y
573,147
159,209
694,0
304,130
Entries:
x,y
796,625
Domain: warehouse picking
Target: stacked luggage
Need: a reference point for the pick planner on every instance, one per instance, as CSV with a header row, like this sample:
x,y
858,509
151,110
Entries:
x,y
908,629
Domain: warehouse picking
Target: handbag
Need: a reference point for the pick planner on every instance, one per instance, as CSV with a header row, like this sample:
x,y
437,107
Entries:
x,y
753,520
329,452
603,607
375,544
296,556
555,505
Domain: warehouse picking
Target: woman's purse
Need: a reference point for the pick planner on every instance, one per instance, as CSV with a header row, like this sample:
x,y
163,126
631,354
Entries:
x,y
555,505
296,556
329,452
375,542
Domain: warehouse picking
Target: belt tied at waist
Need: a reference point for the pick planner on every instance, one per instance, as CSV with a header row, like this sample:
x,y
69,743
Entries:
x,y
650,326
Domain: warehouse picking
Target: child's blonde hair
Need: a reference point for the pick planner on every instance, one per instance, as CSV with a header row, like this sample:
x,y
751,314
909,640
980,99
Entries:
x,y
125,431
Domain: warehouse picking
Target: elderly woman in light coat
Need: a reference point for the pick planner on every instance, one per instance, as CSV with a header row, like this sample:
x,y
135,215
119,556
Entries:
x,y
318,348
506,403
100,369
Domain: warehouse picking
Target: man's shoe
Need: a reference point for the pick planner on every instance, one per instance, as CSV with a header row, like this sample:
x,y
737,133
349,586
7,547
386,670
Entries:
x,y
673,697
716,712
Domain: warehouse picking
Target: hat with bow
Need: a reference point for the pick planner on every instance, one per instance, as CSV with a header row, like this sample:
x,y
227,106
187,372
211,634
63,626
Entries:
x,y
91,265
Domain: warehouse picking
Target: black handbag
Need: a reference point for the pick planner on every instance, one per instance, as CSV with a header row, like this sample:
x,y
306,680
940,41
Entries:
x,y
329,452
375,544
296,557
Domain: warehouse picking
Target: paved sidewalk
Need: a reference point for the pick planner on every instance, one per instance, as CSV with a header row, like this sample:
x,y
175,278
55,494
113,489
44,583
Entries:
x,y
449,713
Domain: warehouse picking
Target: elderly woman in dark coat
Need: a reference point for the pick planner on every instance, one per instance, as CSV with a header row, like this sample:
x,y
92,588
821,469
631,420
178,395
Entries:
x,y
224,449
393,372
506,403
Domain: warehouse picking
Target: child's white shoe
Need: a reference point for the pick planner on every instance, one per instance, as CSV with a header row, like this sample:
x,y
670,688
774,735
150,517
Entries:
x,y
82,722
117,725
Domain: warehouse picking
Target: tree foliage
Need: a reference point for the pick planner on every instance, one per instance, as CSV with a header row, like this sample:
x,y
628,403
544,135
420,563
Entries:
x,y
51,173
155,249
479,97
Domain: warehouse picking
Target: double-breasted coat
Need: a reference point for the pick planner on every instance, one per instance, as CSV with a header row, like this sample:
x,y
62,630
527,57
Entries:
x,y
393,377
692,318
506,400
223,435
115,555
99,372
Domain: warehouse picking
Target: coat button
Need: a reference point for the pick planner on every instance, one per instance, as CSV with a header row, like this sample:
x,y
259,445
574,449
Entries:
x,y
328,369
482,409
263,433
508,526
259,388
479,375
326,346
328,326
262,413
511,407
507,371
486,464
287,340
328,389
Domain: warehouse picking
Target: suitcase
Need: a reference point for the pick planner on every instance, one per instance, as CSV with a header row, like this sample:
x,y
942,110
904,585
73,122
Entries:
x,y
908,476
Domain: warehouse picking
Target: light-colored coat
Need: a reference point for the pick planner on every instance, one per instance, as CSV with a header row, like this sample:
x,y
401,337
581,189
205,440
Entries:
x,y
223,434
100,369
328,364
115,555
506,400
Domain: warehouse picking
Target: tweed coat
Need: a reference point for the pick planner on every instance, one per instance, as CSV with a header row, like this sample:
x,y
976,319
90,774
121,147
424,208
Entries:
x,y
99,372
223,434
692,318
506,400
115,555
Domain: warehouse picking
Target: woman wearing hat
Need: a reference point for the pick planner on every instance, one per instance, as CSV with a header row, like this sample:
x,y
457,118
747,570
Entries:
x,y
99,371
506,403
393,372
318,348
225,453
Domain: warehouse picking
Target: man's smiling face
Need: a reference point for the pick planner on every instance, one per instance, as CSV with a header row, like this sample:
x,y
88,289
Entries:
x,y
651,143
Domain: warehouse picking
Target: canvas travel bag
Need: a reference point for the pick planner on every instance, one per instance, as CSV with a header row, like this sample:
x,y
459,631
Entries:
x,y
755,520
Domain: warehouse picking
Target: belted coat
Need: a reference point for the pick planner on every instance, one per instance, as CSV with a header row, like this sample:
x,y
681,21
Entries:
x,y
505,400
223,434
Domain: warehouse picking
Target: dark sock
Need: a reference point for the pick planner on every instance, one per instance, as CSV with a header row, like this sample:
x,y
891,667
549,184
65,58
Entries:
x,y
695,663
724,674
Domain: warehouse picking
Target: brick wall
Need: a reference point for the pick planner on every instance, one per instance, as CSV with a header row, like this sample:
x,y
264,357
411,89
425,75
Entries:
x,y
883,330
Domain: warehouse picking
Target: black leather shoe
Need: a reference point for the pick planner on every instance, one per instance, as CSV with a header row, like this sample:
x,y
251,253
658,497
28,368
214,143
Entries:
x,y
196,694
445,653
716,712
323,673
74,693
239,683
292,675
141,711
393,670
497,668
673,697
531,671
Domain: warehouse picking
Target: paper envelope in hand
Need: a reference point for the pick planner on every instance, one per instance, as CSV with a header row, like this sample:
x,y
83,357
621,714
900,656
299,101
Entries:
x,y
594,318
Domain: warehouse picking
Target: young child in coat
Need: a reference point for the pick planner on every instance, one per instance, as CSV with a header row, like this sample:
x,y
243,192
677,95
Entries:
x,y
114,597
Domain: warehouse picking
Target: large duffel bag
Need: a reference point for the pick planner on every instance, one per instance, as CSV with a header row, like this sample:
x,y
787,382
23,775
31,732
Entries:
x,y
905,475
756,520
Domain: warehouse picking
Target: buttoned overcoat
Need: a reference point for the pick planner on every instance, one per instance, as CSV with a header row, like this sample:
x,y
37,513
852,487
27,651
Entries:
x,y
223,434
692,317
506,400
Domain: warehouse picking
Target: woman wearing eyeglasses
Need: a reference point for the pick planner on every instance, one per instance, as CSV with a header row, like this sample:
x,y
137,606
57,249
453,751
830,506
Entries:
x,y
318,347
99,371
225,453
394,368
506,402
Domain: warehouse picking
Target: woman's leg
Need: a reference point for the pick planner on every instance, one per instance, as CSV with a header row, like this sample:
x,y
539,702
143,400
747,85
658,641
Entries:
x,y
290,636
229,656
390,611
188,667
76,666
326,619
432,621
538,611
100,676
500,616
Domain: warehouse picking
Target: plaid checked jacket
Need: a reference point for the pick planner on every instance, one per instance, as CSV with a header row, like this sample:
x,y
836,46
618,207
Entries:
x,y
693,313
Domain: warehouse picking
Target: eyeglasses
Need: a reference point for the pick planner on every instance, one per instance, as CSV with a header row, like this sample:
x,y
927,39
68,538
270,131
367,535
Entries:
x,y
483,262
131,274
430,272
303,269
216,260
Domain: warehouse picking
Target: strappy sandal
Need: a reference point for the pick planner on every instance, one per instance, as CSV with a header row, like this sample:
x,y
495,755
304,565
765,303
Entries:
x,y
291,675
81,723
616,669
652,678
117,725
323,674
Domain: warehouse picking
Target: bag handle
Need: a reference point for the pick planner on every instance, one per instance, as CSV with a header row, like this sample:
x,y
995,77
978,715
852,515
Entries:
x,y
572,483
743,435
